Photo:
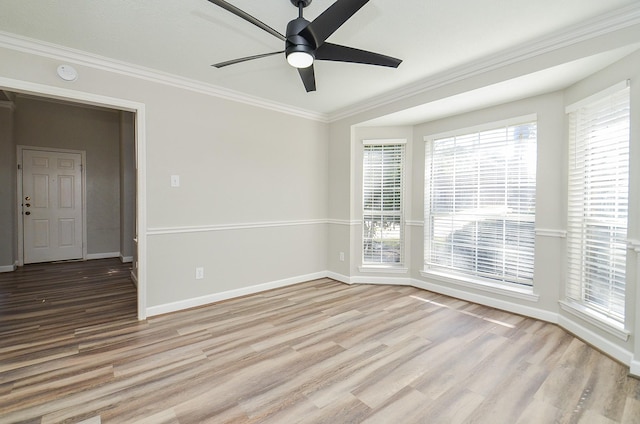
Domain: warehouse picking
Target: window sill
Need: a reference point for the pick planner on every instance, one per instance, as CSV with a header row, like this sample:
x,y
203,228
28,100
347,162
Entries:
x,y
596,319
483,285
384,269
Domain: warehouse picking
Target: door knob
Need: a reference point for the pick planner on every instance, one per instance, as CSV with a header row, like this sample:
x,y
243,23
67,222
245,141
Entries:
x,y
28,204
27,198
27,213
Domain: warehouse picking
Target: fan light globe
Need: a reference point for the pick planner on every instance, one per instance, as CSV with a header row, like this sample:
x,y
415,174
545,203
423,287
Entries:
x,y
300,59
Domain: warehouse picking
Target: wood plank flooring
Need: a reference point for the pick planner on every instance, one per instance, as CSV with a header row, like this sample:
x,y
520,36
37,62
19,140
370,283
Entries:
x,y
71,350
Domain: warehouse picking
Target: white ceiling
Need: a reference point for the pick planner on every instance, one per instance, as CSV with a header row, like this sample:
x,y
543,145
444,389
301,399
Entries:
x,y
184,38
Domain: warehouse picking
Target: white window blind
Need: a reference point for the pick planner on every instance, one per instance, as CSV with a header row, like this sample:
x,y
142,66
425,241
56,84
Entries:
x,y
480,203
383,186
598,204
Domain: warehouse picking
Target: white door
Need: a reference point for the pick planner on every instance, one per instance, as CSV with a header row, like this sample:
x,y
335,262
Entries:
x,y
51,205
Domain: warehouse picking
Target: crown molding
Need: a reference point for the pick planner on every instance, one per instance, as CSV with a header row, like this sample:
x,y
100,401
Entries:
x,y
66,54
601,25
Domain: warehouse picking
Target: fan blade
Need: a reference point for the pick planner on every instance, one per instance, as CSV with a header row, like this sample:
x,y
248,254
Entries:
x,y
339,53
244,15
244,59
308,78
330,20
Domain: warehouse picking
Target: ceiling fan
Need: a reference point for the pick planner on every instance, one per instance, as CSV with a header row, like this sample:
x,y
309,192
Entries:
x,y
305,41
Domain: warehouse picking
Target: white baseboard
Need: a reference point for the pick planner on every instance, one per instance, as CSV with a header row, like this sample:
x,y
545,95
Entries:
x,y
8,268
125,259
504,305
596,340
105,255
134,278
338,277
217,297
393,281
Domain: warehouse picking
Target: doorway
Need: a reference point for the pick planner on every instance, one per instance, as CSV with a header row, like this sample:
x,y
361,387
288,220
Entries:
x,y
137,159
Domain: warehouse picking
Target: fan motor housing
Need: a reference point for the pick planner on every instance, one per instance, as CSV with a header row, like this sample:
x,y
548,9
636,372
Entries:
x,y
304,3
294,39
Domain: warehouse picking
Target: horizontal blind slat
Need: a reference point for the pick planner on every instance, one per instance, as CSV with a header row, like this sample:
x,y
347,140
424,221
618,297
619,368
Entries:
x,y
598,204
480,203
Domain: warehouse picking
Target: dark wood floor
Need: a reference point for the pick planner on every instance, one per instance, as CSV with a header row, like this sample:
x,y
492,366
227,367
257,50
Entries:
x,y
320,352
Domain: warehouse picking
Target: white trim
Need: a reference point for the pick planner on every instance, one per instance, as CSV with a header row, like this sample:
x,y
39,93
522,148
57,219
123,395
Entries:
x,y
634,368
384,142
589,316
79,57
134,279
594,339
393,281
20,148
601,25
549,232
103,255
597,96
230,294
230,227
342,222
504,305
411,223
66,94
8,268
633,244
66,103
482,285
141,160
382,269
125,259
339,277
516,120
141,207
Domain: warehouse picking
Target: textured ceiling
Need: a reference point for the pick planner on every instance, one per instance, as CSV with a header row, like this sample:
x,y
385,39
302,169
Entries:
x,y
185,37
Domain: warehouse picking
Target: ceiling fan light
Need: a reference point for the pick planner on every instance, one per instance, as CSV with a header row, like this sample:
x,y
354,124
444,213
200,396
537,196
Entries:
x,y
300,59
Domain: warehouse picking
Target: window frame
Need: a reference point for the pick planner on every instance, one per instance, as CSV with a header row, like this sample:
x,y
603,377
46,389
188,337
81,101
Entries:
x,y
399,213
575,294
499,284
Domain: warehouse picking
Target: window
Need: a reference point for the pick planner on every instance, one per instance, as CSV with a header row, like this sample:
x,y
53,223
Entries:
x,y
598,203
480,203
383,186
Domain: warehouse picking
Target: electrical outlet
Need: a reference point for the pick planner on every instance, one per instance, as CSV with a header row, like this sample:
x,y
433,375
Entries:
x,y
175,181
199,273
342,256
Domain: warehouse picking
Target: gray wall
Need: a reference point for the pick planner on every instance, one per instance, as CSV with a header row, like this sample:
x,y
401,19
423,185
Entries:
x,y
127,186
8,233
43,123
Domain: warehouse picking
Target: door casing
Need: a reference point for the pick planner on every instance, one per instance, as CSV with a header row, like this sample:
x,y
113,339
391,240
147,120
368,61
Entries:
x,y
140,127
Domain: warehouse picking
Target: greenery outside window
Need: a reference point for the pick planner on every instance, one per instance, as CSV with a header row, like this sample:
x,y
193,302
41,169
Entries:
x,y
383,191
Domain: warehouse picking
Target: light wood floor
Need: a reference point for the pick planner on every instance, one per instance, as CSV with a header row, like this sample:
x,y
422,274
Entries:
x,y
320,352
